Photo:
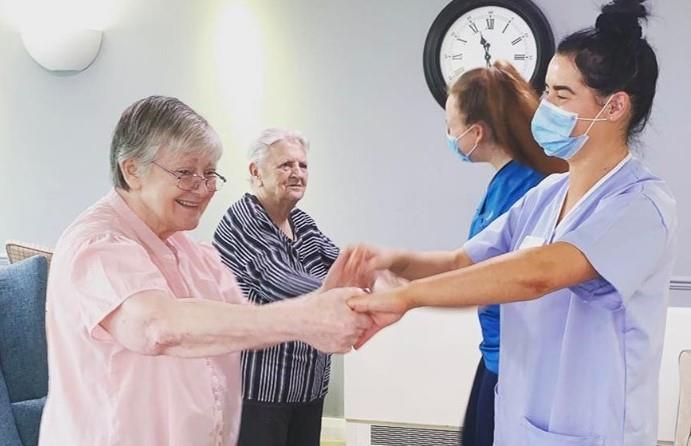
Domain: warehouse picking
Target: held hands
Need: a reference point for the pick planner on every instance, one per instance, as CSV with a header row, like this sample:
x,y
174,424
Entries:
x,y
384,308
330,324
368,267
386,280
351,268
358,266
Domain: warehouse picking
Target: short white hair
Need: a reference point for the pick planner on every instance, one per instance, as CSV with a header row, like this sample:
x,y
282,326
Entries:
x,y
259,149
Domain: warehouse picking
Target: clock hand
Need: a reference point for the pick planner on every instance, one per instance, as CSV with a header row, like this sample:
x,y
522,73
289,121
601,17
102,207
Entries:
x,y
485,44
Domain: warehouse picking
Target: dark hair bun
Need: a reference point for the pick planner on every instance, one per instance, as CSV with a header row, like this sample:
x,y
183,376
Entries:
x,y
620,19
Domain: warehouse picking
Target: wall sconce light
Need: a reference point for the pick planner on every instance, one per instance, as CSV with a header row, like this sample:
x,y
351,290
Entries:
x,y
62,49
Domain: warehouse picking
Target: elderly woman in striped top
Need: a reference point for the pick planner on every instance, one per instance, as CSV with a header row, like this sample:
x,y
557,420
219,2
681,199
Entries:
x,y
276,252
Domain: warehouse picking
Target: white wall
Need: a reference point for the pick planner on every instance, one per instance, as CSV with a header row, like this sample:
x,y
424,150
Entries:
x,y
347,73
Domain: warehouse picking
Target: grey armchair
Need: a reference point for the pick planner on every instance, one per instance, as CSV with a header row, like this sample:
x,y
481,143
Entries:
x,y
682,436
23,359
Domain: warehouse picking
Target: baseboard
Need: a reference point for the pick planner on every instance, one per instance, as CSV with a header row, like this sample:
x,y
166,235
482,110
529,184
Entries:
x,y
333,429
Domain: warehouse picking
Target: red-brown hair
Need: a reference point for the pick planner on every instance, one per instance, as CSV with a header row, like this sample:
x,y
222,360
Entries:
x,y
500,98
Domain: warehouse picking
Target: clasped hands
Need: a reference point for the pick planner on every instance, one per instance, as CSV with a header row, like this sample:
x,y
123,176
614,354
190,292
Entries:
x,y
372,289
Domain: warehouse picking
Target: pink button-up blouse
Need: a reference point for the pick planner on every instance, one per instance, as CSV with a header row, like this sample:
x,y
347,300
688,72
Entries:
x,y
100,393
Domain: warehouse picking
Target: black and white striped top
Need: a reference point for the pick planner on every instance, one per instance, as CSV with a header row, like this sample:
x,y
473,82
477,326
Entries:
x,y
270,267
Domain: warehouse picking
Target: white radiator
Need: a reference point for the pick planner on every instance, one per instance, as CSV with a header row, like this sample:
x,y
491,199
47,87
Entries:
x,y
364,434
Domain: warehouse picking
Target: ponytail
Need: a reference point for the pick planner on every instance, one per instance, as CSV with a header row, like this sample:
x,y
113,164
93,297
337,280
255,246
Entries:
x,y
501,99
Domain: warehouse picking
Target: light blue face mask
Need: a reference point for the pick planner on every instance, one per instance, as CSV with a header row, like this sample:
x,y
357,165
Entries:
x,y
455,147
552,127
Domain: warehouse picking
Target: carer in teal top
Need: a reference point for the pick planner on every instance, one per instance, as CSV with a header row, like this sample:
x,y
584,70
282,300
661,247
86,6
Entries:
x,y
509,184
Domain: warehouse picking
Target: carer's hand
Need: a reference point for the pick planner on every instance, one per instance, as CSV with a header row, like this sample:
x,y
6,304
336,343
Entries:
x,y
331,325
385,308
351,269
375,258
385,280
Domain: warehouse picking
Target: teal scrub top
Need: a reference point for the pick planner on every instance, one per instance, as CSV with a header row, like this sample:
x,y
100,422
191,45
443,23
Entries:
x,y
509,184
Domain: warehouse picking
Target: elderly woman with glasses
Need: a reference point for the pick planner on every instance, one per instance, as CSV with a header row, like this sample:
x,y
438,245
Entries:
x,y
145,325
277,252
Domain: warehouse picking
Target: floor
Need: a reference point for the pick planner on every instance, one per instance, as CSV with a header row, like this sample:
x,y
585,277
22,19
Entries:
x,y
340,443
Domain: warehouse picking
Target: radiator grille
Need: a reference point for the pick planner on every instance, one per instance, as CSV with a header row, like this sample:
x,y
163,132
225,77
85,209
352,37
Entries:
x,y
412,436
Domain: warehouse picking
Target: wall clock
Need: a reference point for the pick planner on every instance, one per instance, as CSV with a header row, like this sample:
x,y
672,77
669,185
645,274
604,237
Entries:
x,y
474,33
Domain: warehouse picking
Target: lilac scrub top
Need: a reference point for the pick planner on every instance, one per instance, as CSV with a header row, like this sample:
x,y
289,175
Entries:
x,y
580,365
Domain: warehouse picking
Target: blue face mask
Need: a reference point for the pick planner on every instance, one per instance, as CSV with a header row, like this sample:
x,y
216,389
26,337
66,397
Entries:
x,y
455,147
552,127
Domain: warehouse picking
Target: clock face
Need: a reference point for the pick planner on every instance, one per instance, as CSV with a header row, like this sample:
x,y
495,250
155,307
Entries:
x,y
484,34
469,34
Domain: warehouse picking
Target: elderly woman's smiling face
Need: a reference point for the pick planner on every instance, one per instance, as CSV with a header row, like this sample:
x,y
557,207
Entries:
x,y
158,200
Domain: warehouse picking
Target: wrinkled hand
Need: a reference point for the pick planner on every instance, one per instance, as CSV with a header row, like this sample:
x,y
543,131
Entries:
x,y
384,308
331,325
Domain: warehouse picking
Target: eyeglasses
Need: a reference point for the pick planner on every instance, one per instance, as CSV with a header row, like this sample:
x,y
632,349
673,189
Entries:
x,y
190,181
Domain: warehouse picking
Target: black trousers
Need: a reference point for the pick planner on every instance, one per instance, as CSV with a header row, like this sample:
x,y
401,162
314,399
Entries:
x,y
478,426
274,424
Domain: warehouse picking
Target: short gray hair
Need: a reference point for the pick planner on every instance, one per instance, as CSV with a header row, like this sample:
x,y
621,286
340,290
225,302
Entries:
x,y
260,147
155,122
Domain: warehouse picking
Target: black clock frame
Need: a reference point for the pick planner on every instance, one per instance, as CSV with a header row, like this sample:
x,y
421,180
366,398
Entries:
x,y
526,9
